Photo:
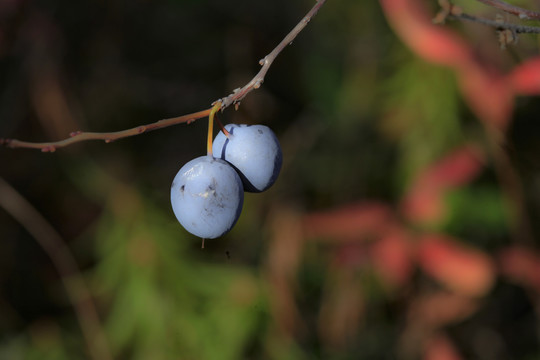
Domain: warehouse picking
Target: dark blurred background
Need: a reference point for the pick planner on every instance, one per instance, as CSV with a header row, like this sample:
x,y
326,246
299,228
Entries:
x,y
330,263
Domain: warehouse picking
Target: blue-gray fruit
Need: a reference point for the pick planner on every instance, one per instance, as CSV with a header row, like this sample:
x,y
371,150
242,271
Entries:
x,y
207,197
254,151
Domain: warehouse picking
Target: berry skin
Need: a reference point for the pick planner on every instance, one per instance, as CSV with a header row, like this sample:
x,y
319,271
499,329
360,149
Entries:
x,y
207,197
254,151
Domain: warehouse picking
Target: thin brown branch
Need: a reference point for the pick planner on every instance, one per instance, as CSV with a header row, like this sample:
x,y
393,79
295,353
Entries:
x,y
108,137
266,62
232,99
66,265
512,9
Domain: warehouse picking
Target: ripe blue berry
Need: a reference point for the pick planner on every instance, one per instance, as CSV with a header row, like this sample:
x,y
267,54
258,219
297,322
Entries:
x,y
207,197
254,151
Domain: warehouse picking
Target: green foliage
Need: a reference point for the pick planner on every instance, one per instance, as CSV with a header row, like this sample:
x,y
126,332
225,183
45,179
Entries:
x,y
45,342
479,213
163,302
422,113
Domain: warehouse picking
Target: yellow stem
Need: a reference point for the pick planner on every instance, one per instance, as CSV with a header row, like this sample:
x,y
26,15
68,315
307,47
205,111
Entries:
x,y
214,110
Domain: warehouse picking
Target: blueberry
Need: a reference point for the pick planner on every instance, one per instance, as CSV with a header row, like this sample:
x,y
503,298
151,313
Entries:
x,y
254,151
207,197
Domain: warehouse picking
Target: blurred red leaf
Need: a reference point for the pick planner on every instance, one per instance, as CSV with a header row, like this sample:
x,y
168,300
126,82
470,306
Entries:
x,y
488,94
433,43
455,169
525,79
440,347
350,222
351,254
521,265
392,258
424,202
434,310
427,314
462,269
484,88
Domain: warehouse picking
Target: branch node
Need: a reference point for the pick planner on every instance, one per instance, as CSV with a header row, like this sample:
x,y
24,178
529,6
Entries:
x,y
507,37
456,10
447,9
6,142
50,149
75,133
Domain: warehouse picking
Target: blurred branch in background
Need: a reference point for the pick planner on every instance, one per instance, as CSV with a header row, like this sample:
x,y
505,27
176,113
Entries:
x,y
66,265
524,14
508,32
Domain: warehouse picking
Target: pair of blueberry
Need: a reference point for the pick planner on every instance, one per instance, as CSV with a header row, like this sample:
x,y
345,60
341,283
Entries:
x,y
207,193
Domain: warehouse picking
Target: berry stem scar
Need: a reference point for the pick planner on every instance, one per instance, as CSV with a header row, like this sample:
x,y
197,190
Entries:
x,y
223,130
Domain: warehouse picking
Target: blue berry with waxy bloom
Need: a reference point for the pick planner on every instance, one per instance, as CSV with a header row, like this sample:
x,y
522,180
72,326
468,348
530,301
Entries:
x,y
207,197
254,151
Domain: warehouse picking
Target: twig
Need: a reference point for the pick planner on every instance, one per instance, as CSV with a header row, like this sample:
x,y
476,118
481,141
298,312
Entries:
x,y
64,262
516,28
108,137
232,99
512,9
266,62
